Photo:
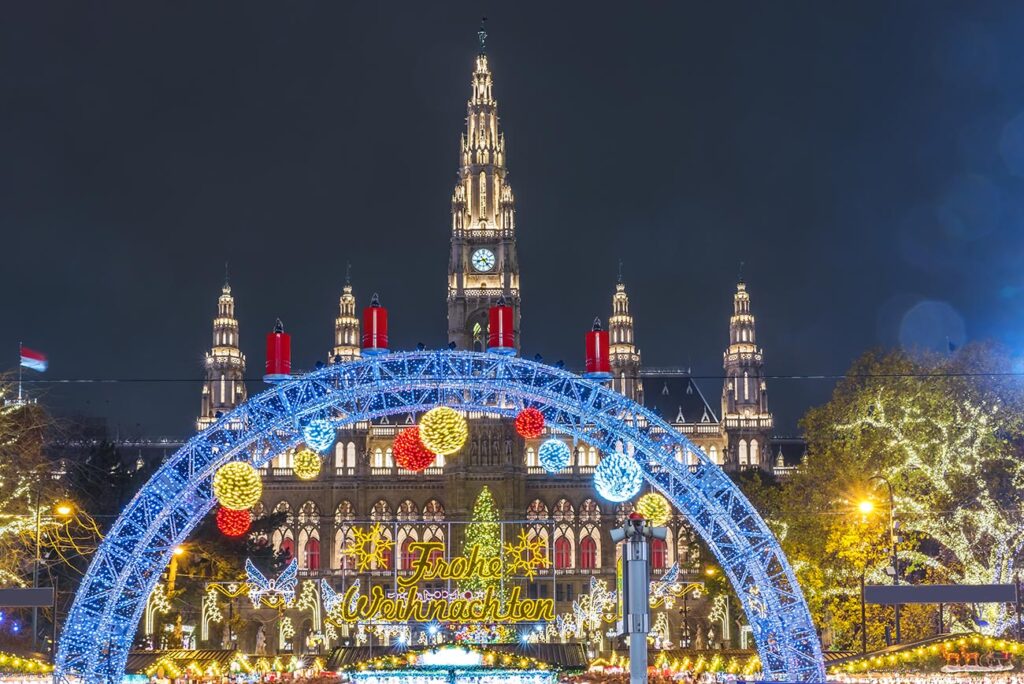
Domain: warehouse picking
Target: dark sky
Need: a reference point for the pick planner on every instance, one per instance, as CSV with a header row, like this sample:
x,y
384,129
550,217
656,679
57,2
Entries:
x,y
864,159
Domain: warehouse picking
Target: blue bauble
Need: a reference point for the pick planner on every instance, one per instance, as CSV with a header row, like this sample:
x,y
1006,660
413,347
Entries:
x,y
554,455
319,435
617,478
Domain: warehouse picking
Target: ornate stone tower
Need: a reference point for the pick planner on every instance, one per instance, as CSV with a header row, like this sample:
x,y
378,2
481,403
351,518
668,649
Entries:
x,y
745,416
224,388
623,353
346,327
483,264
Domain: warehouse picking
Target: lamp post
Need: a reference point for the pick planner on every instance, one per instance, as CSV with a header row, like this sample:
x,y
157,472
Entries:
x,y
62,510
892,544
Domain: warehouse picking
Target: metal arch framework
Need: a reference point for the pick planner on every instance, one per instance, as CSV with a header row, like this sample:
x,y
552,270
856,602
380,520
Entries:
x,y
100,628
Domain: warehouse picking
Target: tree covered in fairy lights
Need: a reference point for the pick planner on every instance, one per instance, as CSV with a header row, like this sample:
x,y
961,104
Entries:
x,y
948,432
484,532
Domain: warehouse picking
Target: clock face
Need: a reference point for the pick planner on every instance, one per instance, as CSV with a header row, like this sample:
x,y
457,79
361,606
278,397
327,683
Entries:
x,y
483,260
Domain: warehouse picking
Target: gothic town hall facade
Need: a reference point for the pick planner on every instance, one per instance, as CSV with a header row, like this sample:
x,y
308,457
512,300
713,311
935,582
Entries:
x,y
361,483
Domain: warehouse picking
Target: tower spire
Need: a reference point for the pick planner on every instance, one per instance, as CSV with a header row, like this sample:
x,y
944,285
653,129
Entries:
x,y
346,325
483,264
623,355
224,388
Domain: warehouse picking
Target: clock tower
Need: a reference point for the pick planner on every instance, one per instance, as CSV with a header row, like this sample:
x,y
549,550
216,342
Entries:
x,y
483,265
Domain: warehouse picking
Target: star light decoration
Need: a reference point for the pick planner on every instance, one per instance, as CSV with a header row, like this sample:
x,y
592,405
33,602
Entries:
x,y
554,455
443,430
306,465
319,434
367,547
617,477
237,486
526,555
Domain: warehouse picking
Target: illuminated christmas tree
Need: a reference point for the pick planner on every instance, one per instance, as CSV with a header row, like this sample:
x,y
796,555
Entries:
x,y
485,534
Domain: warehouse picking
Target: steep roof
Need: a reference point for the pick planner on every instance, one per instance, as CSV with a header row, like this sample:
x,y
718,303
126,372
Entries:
x,y
677,398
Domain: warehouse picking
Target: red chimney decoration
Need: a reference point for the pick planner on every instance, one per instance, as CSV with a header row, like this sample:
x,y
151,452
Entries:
x,y
279,354
501,334
598,366
375,328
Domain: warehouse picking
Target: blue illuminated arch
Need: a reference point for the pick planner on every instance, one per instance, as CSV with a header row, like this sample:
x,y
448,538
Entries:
x,y
102,623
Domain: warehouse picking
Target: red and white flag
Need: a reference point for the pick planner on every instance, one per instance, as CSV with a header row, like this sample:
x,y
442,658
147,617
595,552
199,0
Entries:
x,y
30,358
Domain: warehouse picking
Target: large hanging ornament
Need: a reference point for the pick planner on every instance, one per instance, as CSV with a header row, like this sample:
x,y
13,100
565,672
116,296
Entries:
x,y
237,486
306,465
233,523
530,423
443,430
617,477
410,453
655,508
554,455
319,435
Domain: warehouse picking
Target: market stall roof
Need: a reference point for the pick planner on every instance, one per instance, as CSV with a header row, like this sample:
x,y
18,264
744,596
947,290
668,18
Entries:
x,y
570,656
139,661
914,647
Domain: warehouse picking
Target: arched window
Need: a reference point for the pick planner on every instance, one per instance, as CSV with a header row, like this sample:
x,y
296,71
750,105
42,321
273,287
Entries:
x,y
755,455
563,553
563,511
590,511
659,554
588,553
746,386
714,454
531,458
407,510
312,554
288,545
433,511
744,457
538,510
380,511
389,461
378,458
483,194
408,556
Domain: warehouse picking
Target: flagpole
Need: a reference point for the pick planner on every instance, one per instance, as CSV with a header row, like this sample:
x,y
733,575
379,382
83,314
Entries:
x,y
19,372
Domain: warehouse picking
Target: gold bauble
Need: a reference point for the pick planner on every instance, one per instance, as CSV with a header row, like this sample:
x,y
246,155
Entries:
x,y
655,508
443,430
307,464
237,486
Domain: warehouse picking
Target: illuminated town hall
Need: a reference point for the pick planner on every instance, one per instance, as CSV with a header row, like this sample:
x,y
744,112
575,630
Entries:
x,y
361,484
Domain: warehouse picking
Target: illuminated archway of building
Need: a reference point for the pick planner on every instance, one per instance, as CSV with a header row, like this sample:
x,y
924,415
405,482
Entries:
x,y
101,625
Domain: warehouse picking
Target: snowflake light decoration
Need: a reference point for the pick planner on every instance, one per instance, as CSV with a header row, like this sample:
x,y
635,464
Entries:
x,y
526,555
319,435
367,547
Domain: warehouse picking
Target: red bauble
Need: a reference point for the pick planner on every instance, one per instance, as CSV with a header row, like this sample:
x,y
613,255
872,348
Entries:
x,y
410,452
233,523
530,423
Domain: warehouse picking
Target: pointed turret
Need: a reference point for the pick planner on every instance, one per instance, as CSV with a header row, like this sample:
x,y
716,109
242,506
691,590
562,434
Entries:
x,y
623,352
224,388
745,415
346,326
483,264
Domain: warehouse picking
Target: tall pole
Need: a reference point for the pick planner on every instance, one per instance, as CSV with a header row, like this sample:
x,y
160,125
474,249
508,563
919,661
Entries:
x,y
863,618
892,544
35,571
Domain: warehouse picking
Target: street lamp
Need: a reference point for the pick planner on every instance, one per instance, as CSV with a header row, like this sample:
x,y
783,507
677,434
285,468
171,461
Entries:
x,y
63,509
892,545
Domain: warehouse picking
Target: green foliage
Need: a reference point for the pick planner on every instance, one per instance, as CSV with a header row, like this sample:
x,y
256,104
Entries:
x,y
484,533
947,432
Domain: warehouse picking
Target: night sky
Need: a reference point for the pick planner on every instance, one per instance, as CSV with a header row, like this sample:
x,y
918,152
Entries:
x,y
865,160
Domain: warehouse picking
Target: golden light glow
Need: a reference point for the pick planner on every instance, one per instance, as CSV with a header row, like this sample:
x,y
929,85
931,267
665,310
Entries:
x,y
237,486
710,571
307,464
443,430
865,507
655,508
179,551
64,509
